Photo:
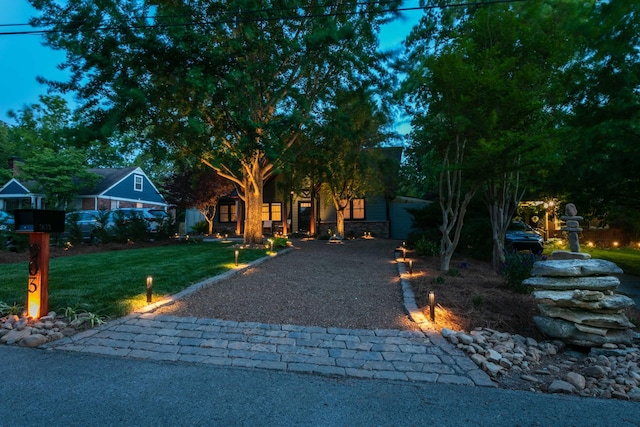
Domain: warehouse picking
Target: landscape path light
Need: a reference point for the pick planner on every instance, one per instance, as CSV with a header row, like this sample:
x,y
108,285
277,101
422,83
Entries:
x,y
432,306
410,267
149,288
237,253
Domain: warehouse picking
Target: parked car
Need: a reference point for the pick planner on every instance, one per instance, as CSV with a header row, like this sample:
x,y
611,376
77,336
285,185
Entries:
x,y
521,236
82,224
127,215
7,221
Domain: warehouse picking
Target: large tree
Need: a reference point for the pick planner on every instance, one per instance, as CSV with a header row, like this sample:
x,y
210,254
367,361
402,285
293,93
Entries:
x,y
348,164
602,133
233,82
484,81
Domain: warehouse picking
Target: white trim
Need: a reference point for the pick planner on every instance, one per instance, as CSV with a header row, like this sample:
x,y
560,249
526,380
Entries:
x,y
137,177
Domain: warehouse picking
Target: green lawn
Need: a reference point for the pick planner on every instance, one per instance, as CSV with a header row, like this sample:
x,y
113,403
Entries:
x,y
113,283
626,258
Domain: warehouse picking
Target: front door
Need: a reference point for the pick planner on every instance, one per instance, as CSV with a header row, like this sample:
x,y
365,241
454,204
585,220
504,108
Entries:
x,y
304,217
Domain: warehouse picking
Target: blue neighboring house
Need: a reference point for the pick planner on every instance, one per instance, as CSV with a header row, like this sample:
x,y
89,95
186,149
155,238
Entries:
x,y
117,188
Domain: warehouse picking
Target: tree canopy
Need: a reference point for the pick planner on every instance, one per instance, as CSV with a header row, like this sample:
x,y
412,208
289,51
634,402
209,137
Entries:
x,y
482,80
232,82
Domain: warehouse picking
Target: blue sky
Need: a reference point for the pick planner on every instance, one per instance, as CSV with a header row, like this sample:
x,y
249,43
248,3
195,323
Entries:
x,y
23,57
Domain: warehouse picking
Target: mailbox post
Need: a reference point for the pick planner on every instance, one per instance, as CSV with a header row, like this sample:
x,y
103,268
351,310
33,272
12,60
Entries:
x,y
39,224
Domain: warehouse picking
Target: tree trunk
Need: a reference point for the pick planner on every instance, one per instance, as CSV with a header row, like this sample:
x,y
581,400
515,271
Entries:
x,y
340,222
253,201
453,209
502,198
312,219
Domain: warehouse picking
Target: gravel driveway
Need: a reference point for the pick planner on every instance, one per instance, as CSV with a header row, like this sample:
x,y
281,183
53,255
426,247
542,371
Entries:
x,y
349,285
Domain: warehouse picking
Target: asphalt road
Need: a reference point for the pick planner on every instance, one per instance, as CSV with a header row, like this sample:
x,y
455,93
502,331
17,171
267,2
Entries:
x,y
56,388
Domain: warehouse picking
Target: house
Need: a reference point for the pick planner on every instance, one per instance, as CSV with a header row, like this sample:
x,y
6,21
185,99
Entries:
x,y
116,188
304,212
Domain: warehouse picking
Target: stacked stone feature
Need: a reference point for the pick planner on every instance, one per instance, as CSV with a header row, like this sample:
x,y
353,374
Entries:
x,y
578,304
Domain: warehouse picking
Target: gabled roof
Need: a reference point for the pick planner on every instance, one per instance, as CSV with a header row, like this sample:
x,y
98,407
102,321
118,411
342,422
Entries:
x,y
16,188
114,183
110,178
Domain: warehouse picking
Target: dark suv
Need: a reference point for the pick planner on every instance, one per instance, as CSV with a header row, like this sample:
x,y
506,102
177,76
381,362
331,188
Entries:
x,y
522,237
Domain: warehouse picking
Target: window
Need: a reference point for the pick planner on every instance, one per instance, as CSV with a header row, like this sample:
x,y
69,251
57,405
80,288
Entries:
x,y
228,213
137,182
354,209
272,211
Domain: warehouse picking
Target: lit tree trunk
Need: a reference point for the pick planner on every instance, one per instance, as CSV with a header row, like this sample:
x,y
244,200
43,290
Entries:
x,y
312,219
253,201
340,222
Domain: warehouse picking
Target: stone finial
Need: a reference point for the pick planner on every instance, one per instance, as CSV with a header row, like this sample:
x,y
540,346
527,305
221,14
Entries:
x,y
572,226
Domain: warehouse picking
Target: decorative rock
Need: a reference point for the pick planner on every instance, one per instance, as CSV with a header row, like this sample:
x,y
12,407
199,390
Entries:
x,y
577,380
601,283
492,369
15,335
464,338
493,356
559,328
584,299
559,386
34,340
598,320
446,332
595,372
558,254
21,324
634,394
574,268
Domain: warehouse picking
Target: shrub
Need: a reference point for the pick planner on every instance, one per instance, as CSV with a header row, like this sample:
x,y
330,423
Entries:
x,y
454,272
200,227
130,227
74,233
477,301
102,234
426,247
438,280
278,242
517,268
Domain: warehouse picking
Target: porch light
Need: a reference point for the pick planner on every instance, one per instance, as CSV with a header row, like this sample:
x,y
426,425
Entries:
x,y
432,306
149,288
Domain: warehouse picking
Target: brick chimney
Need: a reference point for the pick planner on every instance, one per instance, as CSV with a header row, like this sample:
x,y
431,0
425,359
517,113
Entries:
x,y
14,164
